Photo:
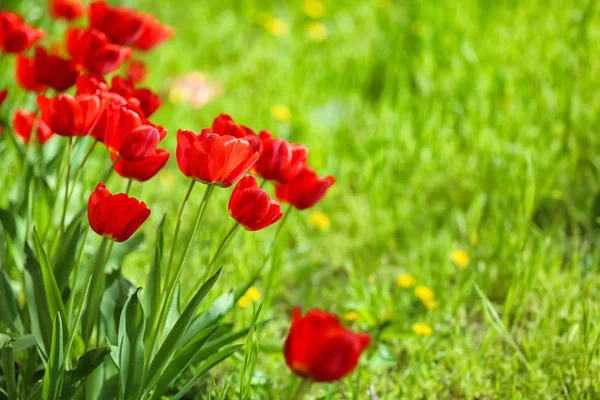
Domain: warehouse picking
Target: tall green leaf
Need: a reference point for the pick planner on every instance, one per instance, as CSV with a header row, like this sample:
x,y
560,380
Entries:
x,y
37,305
94,298
65,257
54,375
8,366
86,364
151,294
173,339
8,304
131,347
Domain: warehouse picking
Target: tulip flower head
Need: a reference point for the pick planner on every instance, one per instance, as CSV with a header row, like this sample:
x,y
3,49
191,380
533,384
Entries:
x,y
92,51
54,71
305,190
149,101
3,95
15,35
25,74
115,216
136,71
121,25
144,169
319,348
23,122
129,135
251,206
66,9
279,160
153,33
212,158
66,115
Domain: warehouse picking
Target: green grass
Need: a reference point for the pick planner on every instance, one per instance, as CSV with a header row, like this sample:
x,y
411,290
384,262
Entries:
x,y
470,125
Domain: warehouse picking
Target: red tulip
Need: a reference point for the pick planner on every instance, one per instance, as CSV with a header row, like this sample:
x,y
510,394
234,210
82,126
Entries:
x,y
149,101
3,95
70,116
136,71
15,35
121,25
23,122
153,33
54,71
279,160
305,190
319,348
92,50
129,135
90,84
251,206
66,9
225,125
212,158
144,169
25,74
115,216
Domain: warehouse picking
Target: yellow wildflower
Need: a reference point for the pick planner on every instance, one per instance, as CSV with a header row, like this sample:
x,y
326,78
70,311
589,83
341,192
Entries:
x,y
351,316
460,258
317,31
424,293
430,304
406,280
244,301
253,293
422,329
314,8
275,26
320,220
281,113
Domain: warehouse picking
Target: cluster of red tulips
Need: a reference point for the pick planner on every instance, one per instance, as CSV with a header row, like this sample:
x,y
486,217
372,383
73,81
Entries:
x,y
75,99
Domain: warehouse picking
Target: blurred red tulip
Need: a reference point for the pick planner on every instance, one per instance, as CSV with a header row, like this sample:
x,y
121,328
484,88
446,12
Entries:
x,y
144,169
92,50
54,71
225,125
66,115
279,160
212,158
153,33
305,190
117,216
122,26
129,135
319,348
149,101
23,122
136,71
3,95
251,206
15,35
66,9
90,84
25,74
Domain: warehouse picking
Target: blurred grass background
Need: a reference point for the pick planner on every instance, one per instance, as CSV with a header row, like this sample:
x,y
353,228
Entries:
x,y
449,125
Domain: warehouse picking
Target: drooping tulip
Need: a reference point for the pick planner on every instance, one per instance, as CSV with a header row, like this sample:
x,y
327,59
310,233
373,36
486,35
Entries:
x,y
15,35
279,160
305,190
251,206
129,135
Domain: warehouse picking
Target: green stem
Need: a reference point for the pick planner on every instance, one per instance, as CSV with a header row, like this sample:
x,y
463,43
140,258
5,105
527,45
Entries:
x,y
85,294
110,170
302,389
54,203
263,183
224,242
128,186
80,168
274,240
64,214
177,229
76,273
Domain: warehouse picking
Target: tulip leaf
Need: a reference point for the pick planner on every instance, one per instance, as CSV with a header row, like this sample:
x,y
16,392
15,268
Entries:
x,y
94,298
175,336
151,295
131,347
8,366
181,361
65,257
13,233
250,357
210,362
55,303
221,306
37,305
8,304
113,300
86,364
23,343
54,375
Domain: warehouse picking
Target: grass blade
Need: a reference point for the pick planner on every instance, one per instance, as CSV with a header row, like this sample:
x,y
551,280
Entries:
x,y
54,375
131,347
8,366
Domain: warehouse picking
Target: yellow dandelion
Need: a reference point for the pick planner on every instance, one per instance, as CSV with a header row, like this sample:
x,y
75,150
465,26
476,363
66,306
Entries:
x,y
406,280
314,8
320,220
351,316
281,113
317,31
275,26
424,293
253,293
244,301
460,258
430,304
422,329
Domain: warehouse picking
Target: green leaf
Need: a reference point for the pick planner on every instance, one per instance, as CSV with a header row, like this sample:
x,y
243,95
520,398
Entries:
x,y
86,364
123,249
113,300
173,339
39,314
14,235
55,303
131,347
181,361
222,305
8,366
65,257
23,343
53,378
250,357
151,295
94,298
211,362
8,304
